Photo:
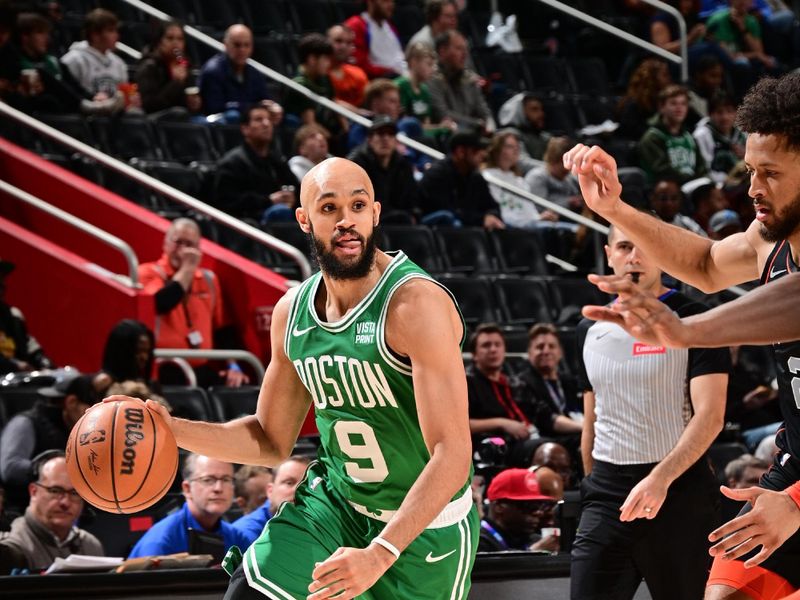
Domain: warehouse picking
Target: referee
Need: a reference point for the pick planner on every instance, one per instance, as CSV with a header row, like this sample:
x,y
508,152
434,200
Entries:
x,y
649,499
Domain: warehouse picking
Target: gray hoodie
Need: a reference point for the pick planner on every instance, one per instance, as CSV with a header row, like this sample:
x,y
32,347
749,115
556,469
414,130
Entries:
x,y
95,71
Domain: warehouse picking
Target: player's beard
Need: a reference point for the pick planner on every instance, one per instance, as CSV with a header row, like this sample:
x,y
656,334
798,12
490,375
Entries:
x,y
786,222
337,269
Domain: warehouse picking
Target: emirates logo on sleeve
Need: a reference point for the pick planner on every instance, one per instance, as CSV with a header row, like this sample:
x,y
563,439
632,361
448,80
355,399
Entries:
x,y
640,349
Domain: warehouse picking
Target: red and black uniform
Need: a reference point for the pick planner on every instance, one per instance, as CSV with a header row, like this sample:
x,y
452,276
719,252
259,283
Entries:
x,y
785,469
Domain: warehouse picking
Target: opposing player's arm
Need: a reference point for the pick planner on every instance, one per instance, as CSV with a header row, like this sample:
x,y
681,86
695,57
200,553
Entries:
x,y
424,325
587,436
709,266
267,437
708,394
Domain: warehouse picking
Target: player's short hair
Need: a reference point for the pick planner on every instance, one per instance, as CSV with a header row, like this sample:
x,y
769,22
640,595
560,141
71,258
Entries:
x,y
313,44
772,107
244,474
480,330
542,329
735,469
377,88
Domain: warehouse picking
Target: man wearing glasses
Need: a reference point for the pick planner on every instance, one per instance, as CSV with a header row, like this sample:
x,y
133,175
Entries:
x,y
189,309
208,489
47,529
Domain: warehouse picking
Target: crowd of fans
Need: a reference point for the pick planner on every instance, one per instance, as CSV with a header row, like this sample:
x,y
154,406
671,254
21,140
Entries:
x,y
526,421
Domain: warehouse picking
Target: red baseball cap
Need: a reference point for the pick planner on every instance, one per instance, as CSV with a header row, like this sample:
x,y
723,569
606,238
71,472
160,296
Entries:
x,y
515,484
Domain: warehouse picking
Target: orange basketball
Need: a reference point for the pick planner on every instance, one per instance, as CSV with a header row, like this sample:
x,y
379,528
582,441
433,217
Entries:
x,y
121,457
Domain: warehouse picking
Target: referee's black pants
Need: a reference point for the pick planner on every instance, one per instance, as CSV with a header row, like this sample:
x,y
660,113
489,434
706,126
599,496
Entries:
x,y
610,558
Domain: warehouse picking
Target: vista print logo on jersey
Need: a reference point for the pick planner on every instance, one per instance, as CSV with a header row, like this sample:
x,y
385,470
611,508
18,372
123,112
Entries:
x,y
365,332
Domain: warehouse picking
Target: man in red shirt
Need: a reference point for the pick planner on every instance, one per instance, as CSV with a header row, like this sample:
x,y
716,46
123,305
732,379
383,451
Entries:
x,y
188,300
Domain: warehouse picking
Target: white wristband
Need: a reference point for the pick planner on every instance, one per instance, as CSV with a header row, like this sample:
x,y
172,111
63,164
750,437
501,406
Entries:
x,y
388,545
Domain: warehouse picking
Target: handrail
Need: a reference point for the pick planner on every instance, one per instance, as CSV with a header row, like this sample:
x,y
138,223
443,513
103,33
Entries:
x,y
132,52
103,236
183,365
242,355
162,188
629,37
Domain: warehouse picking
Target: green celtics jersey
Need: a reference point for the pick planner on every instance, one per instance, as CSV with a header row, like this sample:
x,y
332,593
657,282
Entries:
x,y
366,413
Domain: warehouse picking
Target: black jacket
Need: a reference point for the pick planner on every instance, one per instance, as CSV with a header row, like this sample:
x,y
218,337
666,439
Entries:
x,y
468,197
395,187
538,401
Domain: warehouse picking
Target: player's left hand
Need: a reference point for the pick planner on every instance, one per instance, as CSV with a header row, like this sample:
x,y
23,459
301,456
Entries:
x,y
774,519
349,572
645,499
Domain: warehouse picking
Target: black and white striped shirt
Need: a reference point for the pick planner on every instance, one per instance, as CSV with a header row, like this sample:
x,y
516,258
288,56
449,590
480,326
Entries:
x,y
641,392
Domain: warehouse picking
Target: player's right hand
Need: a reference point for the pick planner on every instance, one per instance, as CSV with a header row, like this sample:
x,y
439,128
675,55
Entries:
x,y
596,171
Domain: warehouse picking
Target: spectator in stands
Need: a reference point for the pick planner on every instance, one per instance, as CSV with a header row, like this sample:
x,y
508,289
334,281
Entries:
x,y
554,457
391,174
315,53
42,88
440,16
455,92
525,113
47,530
208,488
288,476
348,80
250,182
745,471
453,192
415,95
19,351
724,223
502,160
165,76
640,101
311,145
708,78
96,69
516,508
552,181
250,487
493,407
719,140
739,34
552,395
667,148
227,83
706,198
45,426
378,49
665,201
188,301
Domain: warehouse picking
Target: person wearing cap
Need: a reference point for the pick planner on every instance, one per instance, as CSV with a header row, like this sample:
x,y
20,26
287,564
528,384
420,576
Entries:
x,y
391,174
19,351
45,426
454,193
47,530
517,508
724,223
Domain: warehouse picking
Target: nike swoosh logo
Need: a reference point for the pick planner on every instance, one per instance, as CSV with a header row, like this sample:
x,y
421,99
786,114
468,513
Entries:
x,y
298,332
602,335
775,273
434,559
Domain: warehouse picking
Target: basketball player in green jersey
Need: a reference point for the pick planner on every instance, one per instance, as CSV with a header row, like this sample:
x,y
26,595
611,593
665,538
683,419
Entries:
x,y
374,343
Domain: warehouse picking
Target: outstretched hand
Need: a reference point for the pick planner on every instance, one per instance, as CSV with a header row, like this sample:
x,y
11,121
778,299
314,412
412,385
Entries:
x,y
773,520
640,314
596,171
349,572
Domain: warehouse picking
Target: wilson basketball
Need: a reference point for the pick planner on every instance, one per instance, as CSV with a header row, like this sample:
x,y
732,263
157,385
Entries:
x,y
121,457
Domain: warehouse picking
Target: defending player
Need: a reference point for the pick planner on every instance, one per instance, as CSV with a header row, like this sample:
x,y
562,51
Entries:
x,y
769,248
374,343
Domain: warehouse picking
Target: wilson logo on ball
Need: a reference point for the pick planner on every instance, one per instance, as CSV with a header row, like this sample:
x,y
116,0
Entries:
x,y
134,417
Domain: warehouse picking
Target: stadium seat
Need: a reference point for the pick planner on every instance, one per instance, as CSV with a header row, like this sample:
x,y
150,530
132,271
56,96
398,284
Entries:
x,y
344,9
227,137
510,69
218,15
561,116
475,298
312,16
291,234
274,52
72,125
186,179
232,403
189,403
129,189
518,251
524,300
590,76
634,186
408,18
180,10
418,243
267,16
569,345
245,246
721,454
570,295
594,110
186,142
467,249
550,75
127,137
18,399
